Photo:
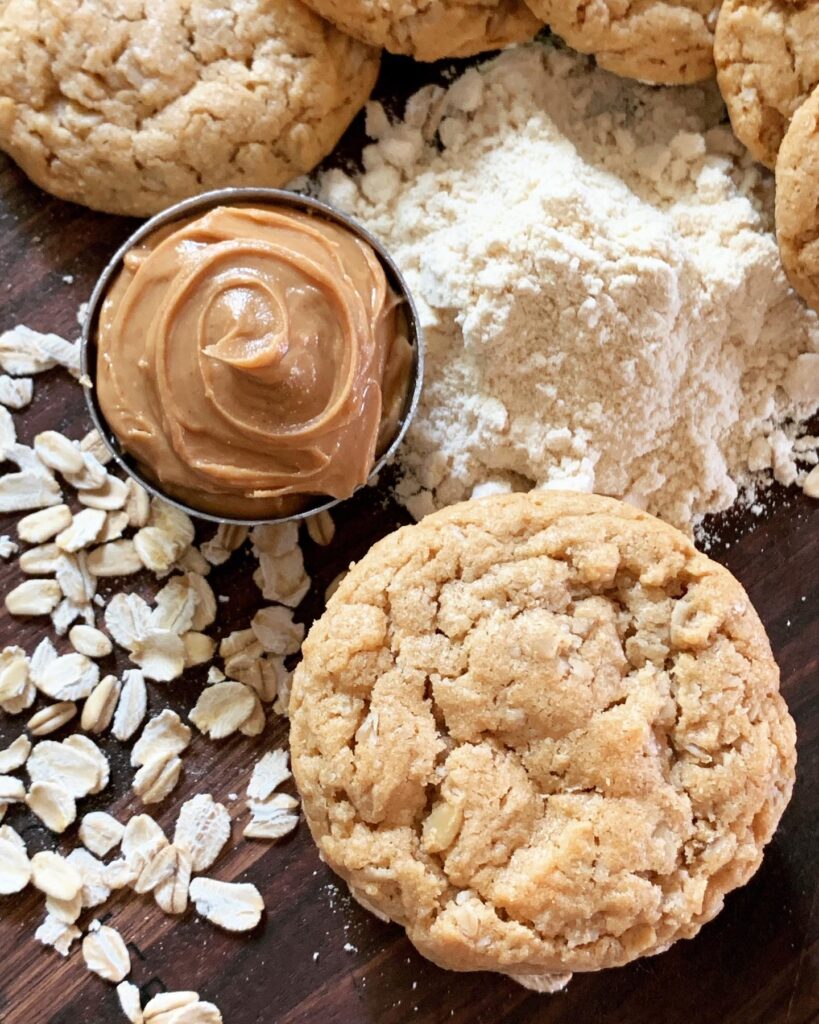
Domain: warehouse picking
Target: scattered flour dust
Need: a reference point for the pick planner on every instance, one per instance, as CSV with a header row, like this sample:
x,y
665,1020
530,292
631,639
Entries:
x,y
600,285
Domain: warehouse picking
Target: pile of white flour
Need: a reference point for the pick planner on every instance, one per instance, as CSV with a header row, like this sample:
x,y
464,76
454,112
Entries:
x,y
602,294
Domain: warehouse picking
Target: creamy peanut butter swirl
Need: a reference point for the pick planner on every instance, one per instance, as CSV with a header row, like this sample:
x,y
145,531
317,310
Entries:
x,y
252,357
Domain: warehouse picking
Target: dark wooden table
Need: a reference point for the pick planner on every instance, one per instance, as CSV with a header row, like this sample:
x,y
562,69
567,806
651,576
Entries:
x,y
317,956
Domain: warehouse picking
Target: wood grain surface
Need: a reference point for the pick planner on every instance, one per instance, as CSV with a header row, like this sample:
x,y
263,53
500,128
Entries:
x,y
316,956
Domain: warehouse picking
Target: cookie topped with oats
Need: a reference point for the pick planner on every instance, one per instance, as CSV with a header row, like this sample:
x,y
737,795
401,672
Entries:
x,y
432,31
652,41
128,108
797,200
543,733
767,56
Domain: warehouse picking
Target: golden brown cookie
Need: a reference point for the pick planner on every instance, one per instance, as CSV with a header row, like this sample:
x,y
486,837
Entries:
x,y
767,56
665,41
542,732
430,31
797,200
128,111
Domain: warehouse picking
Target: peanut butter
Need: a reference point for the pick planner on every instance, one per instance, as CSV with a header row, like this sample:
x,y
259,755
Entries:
x,y
252,357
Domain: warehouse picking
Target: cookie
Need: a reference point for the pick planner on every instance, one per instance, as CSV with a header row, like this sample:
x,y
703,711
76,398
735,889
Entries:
x,y
542,732
127,107
767,56
797,200
430,31
668,42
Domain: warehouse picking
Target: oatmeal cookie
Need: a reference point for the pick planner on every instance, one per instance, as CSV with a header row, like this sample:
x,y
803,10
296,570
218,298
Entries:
x,y
446,28
767,55
128,107
797,200
542,732
669,42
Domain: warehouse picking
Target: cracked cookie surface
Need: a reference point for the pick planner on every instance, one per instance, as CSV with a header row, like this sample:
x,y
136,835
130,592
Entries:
x,y
542,732
432,30
797,200
130,106
767,56
669,42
